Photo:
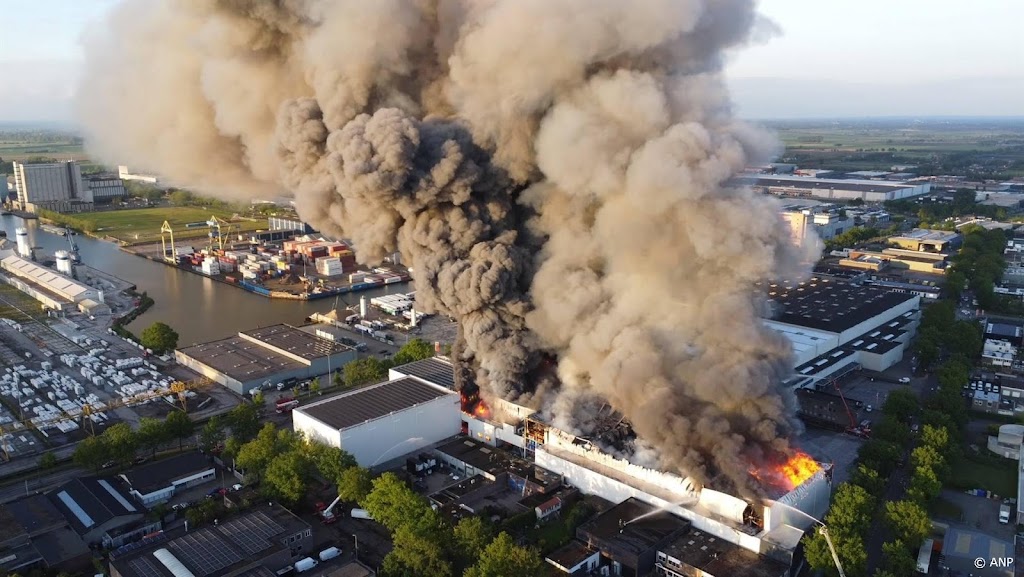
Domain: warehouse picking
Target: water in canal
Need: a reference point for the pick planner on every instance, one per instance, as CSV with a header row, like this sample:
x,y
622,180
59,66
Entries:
x,y
198,308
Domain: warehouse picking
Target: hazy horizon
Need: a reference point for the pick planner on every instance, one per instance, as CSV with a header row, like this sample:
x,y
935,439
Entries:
x,y
843,59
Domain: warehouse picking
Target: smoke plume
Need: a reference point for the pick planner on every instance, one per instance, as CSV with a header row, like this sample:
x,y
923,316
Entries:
x,y
553,170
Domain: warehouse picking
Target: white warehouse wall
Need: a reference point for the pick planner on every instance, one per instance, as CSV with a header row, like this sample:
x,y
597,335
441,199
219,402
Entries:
x,y
401,432
315,430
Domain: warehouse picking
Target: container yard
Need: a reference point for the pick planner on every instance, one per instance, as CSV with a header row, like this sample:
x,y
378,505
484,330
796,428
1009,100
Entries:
x,y
301,269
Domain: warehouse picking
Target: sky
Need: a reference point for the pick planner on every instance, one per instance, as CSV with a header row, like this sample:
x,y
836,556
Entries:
x,y
826,58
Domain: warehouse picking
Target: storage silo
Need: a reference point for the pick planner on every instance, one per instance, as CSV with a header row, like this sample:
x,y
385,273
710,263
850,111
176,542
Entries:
x,y
24,249
362,307
63,262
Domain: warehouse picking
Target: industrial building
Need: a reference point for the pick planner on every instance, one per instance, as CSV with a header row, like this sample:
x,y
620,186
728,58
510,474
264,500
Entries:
x,y
264,539
835,326
53,290
42,184
833,189
266,355
35,535
894,260
103,188
158,481
926,240
382,421
102,512
826,222
124,174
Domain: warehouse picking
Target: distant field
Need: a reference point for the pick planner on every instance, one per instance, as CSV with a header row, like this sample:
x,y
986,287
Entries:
x,y
143,224
23,151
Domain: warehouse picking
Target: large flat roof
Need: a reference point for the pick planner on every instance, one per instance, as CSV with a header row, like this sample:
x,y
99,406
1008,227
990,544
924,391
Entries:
x,y
88,502
241,359
160,474
716,556
433,370
295,342
823,183
357,407
44,277
927,235
831,305
632,526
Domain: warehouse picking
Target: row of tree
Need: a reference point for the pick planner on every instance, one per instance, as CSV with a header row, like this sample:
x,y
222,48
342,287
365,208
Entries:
x,y
121,444
940,336
424,544
371,369
979,265
963,204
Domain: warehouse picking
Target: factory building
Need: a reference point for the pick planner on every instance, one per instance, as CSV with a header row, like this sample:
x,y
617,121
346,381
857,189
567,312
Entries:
x,y
833,189
34,534
835,326
382,421
925,240
265,356
124,174
102,512
53,290
103,188
894,259
826,223
158,481
40,184
261,541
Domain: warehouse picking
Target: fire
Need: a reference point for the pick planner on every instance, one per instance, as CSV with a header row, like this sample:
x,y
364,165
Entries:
x,y
482,410
791,474
799,468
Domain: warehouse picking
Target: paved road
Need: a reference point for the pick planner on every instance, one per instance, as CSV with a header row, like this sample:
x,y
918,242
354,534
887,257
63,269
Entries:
x,y
39,484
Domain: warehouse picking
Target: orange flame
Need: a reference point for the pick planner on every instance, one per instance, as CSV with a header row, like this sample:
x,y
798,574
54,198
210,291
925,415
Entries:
x,y
482,410
791,474
799,468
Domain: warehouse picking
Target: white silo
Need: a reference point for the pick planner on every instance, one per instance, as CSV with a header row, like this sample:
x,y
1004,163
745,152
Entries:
x,y
99,296
63,262
362,307
24,249
412,318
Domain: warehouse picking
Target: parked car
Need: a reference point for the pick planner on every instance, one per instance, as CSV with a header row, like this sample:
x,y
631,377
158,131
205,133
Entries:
x,y
869,408
109,464
180,506
140,460
216,492
904,380
236,487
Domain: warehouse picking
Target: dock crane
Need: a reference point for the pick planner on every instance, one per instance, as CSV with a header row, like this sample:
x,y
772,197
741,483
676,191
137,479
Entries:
x,y
70,234
178,388
218,228
165,229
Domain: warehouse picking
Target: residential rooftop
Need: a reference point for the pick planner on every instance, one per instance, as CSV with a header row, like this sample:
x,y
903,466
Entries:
x,y
570,555
373,402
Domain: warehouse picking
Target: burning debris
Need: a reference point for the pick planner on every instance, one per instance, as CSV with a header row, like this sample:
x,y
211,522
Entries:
x,y
559,189
790,474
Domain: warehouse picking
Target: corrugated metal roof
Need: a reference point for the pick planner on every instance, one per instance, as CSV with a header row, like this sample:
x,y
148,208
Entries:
x,y
433,370
45,277
373,402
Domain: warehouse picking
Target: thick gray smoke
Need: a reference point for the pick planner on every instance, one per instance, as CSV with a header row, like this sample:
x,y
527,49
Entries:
x,y
553,170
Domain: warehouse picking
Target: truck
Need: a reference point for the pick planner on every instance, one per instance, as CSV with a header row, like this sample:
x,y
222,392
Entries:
x,y
329,553
305,564
1004,513
286,404
361,514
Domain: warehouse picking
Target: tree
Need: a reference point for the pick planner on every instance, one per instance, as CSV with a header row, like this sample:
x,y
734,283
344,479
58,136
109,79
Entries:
x,y
901,404
256,455
879,455
869,479
937,437
152,433
180,197
416,554
339,380
286,476
850,549
393,504
897,558
121,442
179,426
503,558
314,386
211,435
244,421
924,485
159,337
909,522
47,461
354,484
365,370
926,456
892,430
472,534
91,453
258,399
414,350
329,461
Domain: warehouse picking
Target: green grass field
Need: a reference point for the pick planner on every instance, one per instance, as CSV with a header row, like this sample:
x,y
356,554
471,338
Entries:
x,y
136,226
970,472
59,150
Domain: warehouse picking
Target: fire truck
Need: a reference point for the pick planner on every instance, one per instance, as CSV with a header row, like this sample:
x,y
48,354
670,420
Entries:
x,y
286,404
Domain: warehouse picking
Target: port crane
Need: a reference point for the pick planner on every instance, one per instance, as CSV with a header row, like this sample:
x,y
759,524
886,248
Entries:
x,y
84,417
218,228
70,234
165,229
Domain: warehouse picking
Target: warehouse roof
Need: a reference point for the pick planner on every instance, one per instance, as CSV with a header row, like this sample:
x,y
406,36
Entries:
x,y
716,556
927,235
831,305
368,403
293,341
44,277
433,370
570,555
478,455
160,474
632,526
241,359
823,183
88,502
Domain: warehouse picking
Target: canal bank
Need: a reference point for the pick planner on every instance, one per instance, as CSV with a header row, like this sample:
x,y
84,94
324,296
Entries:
x,y
199,308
